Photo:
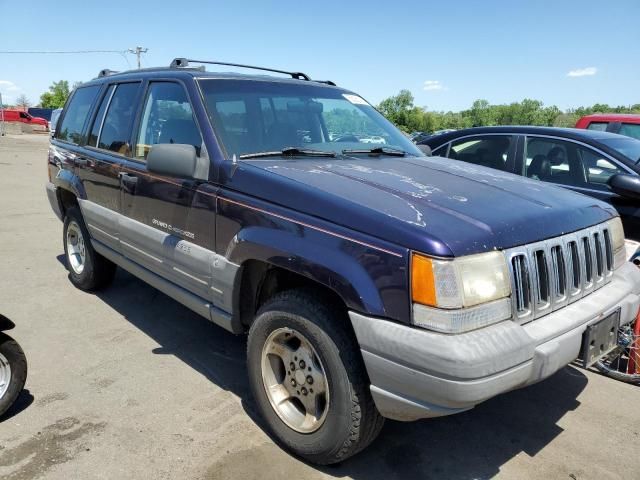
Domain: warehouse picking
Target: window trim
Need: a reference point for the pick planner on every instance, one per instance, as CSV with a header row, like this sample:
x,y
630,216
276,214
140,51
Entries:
x,y
94,114
142,102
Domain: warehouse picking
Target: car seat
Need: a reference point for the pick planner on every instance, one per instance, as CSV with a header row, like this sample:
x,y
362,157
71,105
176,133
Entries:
x,y
540,168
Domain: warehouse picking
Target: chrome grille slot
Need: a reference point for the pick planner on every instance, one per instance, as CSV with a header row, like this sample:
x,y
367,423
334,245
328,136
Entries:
x,y
588,260
599,254
573,258
608,248
522,289
549,275
559,271
542,277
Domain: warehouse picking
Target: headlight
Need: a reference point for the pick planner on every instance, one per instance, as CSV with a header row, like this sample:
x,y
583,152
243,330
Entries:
x,y
464,293
617,242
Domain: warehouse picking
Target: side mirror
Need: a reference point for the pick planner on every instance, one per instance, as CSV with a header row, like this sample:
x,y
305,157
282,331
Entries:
x,y
625,185
426,149
177,160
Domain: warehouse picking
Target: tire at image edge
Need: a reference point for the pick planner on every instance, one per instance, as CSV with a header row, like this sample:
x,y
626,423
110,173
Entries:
x,y
10,349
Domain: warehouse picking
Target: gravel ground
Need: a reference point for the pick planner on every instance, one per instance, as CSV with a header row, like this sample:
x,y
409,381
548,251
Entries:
x,y
128,383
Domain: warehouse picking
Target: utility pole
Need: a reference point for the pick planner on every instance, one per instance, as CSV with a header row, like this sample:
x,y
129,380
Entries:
x,y
137,52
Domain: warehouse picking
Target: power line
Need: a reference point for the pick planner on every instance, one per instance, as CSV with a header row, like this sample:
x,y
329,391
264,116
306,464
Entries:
x,y
59,51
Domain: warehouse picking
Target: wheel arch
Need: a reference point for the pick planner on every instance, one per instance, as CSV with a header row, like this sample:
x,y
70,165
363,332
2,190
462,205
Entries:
x,y
6,324
271,260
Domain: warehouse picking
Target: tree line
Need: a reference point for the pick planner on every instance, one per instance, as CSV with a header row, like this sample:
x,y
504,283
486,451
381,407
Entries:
x,y
54,97
400,110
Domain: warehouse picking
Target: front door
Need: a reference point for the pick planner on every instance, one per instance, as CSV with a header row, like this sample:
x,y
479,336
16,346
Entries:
x,y
168,224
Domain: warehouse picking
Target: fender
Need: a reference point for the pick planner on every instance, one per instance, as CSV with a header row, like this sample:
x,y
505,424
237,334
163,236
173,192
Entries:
x,y
323,259
67,180
6,324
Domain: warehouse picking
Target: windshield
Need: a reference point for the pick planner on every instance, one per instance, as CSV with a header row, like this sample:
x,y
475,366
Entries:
x,y
257,116
629,147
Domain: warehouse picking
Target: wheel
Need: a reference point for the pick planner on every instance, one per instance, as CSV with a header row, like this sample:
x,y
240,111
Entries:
x,y
13,371
309,380
88,270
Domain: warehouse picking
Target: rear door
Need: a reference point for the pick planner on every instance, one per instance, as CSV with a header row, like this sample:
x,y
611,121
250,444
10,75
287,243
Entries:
x,y
168,223
108,145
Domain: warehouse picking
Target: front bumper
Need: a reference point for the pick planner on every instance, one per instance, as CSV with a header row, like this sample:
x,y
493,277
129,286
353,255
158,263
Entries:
x,y
417,373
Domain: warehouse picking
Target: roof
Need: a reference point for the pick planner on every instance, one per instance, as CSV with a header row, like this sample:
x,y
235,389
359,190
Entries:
x,y
592,137
575,133
200,72
613,116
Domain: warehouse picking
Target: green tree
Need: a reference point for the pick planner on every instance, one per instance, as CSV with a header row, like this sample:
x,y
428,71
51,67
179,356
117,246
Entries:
x,y
400,110
56,96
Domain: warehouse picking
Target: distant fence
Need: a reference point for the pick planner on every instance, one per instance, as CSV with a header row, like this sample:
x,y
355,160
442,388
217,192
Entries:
x,y
41,112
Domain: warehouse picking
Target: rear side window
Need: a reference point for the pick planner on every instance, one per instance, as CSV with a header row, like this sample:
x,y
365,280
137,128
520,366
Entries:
x,y
600,126
116,129
489,151
167,118
76,114
630,130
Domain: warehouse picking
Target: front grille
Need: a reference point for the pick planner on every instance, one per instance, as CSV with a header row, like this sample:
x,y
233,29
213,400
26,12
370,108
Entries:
x,y
548,275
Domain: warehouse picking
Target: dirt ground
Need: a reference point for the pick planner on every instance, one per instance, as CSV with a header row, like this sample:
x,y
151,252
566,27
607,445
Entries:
x,y
127,383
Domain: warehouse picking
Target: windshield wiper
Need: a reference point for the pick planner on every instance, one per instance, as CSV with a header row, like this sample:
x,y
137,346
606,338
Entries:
x,y
290,152
394,152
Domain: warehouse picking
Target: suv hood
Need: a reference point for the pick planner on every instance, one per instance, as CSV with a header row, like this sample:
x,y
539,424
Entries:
x,y
430,204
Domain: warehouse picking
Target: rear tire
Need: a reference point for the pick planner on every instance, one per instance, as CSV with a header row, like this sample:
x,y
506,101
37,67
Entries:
x,y
88,270
12,379
337,426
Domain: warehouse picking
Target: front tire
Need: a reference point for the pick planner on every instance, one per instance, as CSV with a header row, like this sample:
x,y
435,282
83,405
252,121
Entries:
x,y
88,270
13,371
309,380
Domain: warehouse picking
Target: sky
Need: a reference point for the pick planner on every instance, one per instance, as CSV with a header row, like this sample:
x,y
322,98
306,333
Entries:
x,y
447,53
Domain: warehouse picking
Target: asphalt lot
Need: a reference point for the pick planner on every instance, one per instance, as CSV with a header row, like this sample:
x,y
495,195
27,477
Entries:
x,y
128,383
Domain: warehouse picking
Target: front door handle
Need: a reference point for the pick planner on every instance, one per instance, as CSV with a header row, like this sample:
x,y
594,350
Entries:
x,y
128,182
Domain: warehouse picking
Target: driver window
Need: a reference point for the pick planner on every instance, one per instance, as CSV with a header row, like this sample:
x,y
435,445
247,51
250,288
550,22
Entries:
x,y
597,168
167,118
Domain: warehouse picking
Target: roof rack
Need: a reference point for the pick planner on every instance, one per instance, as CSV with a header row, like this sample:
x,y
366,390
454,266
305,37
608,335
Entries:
x,y
106,72
184,62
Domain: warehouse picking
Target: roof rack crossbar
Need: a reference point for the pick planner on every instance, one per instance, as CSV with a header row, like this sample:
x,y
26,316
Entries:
x,y
184,62
106,72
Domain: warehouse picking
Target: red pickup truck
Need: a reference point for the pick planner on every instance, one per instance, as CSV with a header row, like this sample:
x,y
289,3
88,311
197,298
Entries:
x,y
621,123
12,115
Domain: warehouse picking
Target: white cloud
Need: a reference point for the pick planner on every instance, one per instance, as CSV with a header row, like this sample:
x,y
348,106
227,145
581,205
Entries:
x,y
433,85
583,72
7,86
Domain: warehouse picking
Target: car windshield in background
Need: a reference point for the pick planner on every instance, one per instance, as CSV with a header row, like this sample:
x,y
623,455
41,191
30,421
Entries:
x,y
253,117
629,147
